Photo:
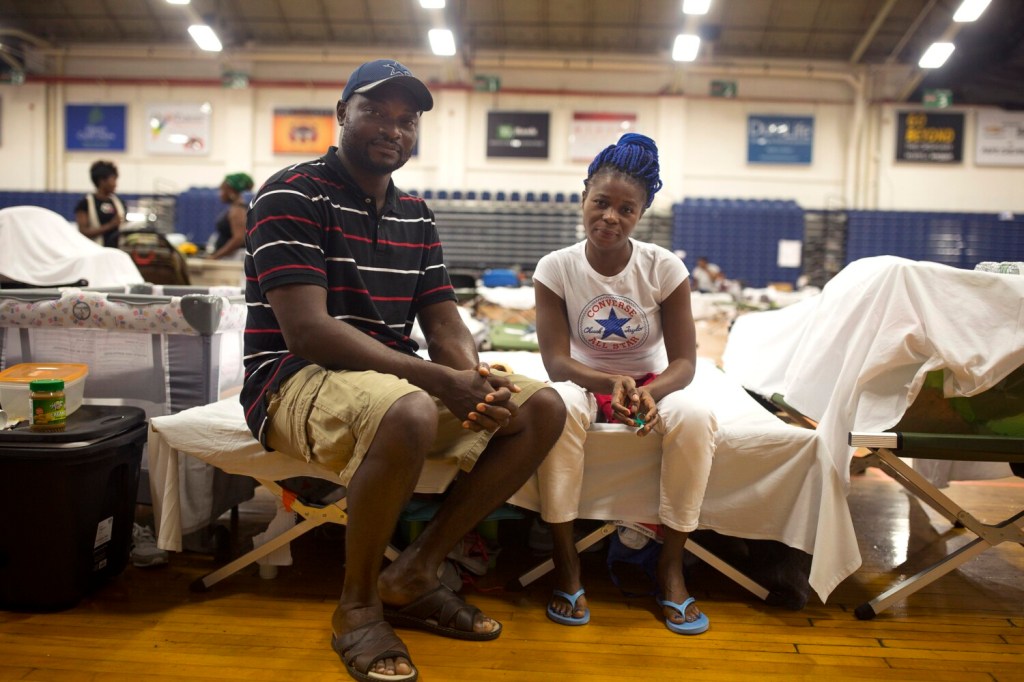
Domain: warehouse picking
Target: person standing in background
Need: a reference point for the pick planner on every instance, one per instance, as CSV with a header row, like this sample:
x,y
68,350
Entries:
x,y
99,214
230,229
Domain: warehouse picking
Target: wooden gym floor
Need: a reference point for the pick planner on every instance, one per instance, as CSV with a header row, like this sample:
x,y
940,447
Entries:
x,y
147,625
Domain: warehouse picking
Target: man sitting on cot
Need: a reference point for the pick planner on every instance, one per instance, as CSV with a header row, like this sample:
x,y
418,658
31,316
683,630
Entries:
x,y
339,263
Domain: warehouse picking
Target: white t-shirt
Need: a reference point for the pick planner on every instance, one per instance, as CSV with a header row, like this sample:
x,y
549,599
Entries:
x,y
615,322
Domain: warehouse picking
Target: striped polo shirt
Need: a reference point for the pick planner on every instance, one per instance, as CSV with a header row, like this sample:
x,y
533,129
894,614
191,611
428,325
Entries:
x,y
312,224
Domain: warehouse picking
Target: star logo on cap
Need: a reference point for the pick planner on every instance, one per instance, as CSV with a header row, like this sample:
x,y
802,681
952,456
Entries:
x,y
397,70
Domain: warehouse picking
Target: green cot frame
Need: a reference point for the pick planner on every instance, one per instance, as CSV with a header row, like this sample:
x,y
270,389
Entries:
x,y
886,449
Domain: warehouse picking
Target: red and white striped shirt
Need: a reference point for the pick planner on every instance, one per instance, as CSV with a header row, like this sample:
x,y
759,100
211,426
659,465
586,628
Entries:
x,y
312,224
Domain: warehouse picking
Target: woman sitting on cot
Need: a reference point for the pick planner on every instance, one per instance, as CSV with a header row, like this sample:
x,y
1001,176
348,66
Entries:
x,y
616,332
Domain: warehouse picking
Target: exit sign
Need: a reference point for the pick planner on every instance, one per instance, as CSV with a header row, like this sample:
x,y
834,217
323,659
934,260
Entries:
x,y
723,88
937,99
487,83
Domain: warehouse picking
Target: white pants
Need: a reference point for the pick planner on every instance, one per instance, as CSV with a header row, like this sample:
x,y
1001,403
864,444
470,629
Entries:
x,y
687,428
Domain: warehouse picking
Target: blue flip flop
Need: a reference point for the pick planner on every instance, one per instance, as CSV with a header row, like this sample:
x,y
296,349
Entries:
x,y
572,599
687,628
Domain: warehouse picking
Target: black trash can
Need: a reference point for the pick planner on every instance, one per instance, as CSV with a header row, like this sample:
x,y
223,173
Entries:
x,y
68,503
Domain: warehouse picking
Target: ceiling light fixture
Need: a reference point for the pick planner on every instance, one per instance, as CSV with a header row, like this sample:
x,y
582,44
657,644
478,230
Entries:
x,y
178,2
442,42
432,4
936,55
686,47
970,10
696,6
205,38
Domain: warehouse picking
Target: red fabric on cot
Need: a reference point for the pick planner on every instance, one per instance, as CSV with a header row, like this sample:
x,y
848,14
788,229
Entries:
x,y
605,414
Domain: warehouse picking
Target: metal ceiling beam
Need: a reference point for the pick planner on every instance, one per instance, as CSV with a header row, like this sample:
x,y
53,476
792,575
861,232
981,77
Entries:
x,y
918,74
909,33
113,19
327,21
872,31
27,37
915,79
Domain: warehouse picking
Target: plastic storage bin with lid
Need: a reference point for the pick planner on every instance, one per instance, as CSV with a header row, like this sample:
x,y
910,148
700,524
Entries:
x,y
15,380
68,500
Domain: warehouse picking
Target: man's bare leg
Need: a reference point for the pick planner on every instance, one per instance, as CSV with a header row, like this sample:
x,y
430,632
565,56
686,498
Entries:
x,y
511,457
377,493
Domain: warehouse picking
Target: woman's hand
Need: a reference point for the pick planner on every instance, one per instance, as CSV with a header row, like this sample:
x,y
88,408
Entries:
x,y
646,415
633,405
625,399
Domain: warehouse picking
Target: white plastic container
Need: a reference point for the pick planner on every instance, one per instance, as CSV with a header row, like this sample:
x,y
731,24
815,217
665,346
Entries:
x,y
14,381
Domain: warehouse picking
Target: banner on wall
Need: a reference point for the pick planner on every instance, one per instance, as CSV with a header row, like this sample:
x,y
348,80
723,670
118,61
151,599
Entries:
x,y
591,132
517,134
303,131
94,127
780,139
927,137
178,129
1000,138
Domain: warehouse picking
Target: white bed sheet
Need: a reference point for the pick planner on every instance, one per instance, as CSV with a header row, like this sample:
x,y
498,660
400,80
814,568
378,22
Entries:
x,y
40,247
769,481
855,357
217,434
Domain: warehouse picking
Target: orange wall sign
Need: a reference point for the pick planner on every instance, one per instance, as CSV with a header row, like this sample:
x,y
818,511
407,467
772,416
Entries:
x,y
303,131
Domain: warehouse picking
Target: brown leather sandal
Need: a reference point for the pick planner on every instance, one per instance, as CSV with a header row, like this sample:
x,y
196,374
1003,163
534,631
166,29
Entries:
x,y
441,612
363,647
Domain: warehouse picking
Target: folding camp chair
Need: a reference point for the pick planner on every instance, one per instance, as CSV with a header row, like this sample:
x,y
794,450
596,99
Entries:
x,y
887,448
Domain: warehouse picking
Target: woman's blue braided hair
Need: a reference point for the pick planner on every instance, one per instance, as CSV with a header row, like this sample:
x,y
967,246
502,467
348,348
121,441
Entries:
x,y
633,155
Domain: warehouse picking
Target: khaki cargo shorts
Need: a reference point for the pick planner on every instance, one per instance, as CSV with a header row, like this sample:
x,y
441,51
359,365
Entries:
x,y
331,417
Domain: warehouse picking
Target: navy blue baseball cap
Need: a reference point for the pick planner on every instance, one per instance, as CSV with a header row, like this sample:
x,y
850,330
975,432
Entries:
x,y
371,74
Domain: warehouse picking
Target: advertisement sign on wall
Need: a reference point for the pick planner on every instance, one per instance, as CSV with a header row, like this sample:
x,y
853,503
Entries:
x,y
303,131
927,137
1000,138
780,139
178,129
517,134
94,127
592,132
